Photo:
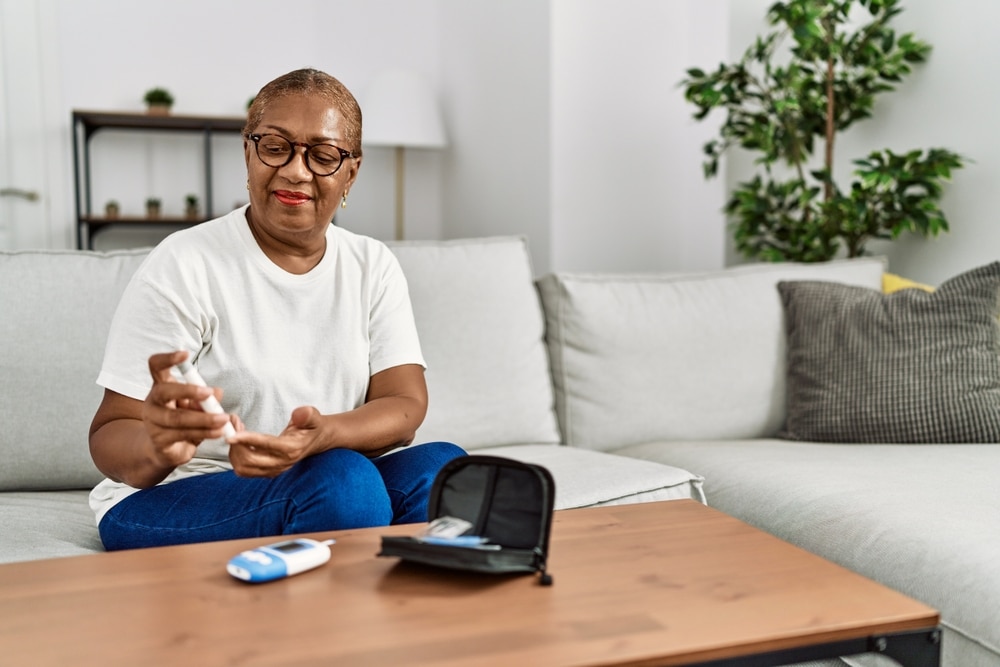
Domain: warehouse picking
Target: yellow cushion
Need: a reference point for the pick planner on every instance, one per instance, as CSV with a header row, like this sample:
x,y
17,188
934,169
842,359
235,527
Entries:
x,y
893,283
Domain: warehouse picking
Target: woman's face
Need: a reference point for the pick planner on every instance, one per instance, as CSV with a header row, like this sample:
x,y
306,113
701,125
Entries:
x,y
292,203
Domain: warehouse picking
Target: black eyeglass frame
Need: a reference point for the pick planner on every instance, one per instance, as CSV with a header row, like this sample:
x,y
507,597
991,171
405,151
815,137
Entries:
x,y
344,154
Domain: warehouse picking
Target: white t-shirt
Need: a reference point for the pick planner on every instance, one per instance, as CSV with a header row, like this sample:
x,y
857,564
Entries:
x,y
272,340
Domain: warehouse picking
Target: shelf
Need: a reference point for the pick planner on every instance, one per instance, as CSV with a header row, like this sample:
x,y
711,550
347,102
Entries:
x,y
92,121
86,123
97,221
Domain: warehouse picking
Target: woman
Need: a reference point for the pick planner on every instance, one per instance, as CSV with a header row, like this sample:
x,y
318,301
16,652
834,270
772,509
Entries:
x,y
305,329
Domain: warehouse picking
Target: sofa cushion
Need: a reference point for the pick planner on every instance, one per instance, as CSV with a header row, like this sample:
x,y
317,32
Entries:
x,y
46,524
481,331
892,282
57,308
587,478
637,358
910,366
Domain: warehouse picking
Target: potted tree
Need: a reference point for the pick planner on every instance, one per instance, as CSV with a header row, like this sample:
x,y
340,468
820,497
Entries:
x,y
111,210
158,101
781,102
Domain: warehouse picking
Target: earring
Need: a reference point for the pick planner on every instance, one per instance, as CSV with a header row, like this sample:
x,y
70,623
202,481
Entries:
x,y
248,185
343,202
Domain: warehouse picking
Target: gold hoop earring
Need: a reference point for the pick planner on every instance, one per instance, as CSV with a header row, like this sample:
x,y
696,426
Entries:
x,y
343,201
248,185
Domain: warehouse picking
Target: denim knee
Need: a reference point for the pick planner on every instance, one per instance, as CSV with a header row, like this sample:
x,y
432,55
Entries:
x,y
435,454
408,475
335,490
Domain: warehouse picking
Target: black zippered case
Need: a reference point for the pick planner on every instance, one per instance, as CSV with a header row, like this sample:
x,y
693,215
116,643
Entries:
x,y
508,502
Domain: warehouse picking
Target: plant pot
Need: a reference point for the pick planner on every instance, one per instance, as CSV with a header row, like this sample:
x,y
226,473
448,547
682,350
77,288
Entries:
x,y
111,211
191,212
158,109
152,211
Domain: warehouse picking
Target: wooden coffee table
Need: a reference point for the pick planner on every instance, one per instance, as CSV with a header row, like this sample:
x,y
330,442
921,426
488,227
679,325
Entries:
x,y
670,583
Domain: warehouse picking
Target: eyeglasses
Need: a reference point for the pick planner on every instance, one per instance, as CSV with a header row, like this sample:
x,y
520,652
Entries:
x,y
321,159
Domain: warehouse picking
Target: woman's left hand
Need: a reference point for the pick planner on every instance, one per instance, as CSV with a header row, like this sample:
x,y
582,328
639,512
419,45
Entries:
x,y
261,455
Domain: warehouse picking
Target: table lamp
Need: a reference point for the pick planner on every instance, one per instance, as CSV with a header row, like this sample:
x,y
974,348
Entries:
x,y
400,111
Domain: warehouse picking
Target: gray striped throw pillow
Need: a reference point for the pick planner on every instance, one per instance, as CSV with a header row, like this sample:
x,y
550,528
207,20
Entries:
x,y
906,367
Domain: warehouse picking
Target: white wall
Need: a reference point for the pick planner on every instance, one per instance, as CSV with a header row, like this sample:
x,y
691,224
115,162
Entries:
x,y
628,192
570,129
496,99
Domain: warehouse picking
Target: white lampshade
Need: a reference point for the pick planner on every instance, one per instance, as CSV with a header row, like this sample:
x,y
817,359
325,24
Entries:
x,y
398,109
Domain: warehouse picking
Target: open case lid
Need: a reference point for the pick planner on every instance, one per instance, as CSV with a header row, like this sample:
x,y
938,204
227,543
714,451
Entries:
x,y
508,502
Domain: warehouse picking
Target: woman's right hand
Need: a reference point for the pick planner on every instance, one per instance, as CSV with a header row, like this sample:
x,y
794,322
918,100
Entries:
x,y
172,413
141,442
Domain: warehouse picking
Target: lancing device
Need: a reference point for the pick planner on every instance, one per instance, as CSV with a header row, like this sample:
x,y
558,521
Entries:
x,y
210,404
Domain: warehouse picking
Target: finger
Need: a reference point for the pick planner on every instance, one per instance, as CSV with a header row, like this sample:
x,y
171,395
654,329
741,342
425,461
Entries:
x,y
252,461
268,450
304,417
179,394
258,454
167,424
246,438
164,439
160,364
251,449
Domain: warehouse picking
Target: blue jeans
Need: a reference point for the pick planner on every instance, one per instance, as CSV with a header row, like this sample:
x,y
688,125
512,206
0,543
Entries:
x,y
333,490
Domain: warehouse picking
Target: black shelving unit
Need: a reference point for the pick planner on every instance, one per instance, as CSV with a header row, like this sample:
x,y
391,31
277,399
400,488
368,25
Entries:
x,y
87,123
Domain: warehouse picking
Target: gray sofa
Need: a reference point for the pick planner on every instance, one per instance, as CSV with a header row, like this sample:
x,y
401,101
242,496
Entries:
x,y
629,388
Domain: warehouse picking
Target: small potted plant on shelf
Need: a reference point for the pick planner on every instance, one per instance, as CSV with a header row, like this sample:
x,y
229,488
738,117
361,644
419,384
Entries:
x,y
152,207
158,101
191,207
111,210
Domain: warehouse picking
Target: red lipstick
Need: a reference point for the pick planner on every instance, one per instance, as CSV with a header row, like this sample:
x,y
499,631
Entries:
x,y
290,198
